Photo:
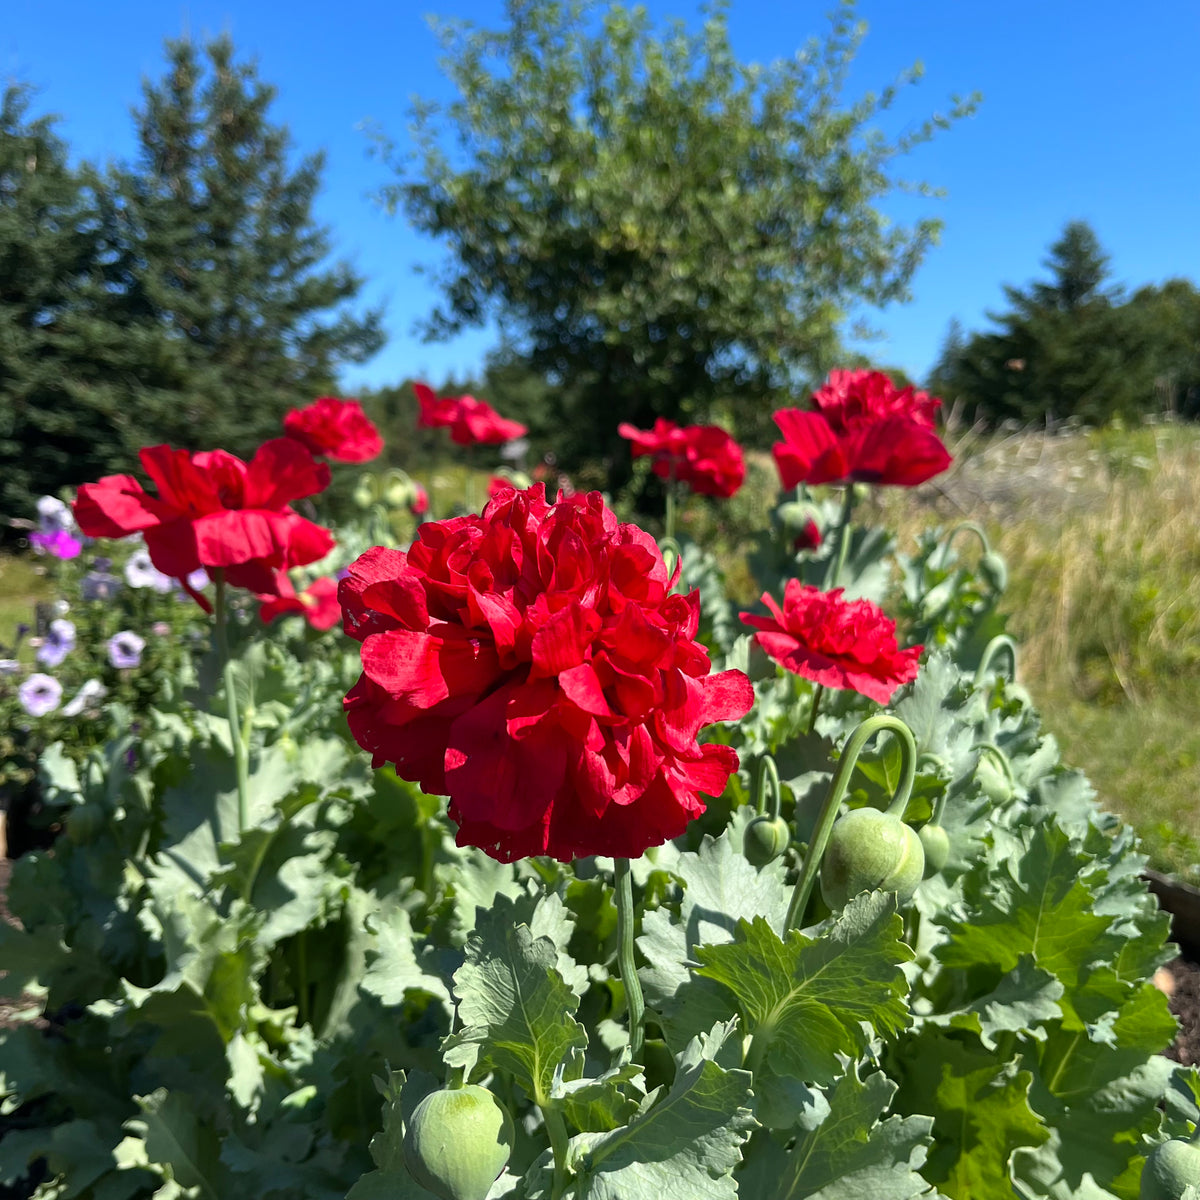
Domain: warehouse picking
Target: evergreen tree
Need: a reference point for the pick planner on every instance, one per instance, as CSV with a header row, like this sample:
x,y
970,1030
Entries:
x,y
216,264
51,434
1064,347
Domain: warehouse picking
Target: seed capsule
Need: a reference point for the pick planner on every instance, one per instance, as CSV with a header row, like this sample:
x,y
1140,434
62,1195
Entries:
x,y
457,1142
870,850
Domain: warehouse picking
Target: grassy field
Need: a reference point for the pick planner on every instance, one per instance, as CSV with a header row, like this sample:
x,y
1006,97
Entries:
x,y
1101,530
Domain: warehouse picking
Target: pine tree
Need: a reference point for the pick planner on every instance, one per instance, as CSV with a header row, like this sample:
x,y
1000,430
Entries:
x,y
51,434
216,263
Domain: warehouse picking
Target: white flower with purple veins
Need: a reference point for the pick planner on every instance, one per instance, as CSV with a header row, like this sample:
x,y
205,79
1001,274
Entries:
x,y
92,692
39,694
125,649
9,666
140,572
58,643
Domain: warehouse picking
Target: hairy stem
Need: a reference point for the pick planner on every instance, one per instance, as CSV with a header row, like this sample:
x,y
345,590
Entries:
x,y
625,960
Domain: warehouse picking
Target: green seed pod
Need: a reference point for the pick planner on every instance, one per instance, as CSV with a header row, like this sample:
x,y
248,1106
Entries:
x,y
993,781
994,570
765,839
84,823
458,1142
366,492
1170,1168
936,844
396,490
794,515
870,850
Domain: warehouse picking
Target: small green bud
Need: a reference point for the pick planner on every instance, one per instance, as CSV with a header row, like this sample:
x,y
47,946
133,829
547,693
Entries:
x,y
994,570
993,781
765,839
458,1141
935,841
366,492
1170,1168
870,850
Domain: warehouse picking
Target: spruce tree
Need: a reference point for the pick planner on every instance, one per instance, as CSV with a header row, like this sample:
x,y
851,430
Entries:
x,y
52,430
217,266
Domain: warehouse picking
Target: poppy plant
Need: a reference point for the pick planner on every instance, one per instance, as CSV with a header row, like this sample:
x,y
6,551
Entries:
x,y
215,511
533,664
835,642
471,422
864,429
337,429
704,457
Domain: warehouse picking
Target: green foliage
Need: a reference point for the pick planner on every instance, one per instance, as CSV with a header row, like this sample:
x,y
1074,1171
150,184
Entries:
x,y
660,229
232,985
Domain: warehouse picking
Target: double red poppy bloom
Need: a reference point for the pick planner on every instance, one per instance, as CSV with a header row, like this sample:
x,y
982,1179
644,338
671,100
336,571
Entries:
x,y
471,422
835,642
704,457
532,664
215,511
334,428
864,429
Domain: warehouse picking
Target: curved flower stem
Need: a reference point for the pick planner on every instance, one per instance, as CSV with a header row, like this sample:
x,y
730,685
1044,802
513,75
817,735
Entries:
x,y
839,563
962,527
1000,643
237,734
766,797
625,960
669,516
837,790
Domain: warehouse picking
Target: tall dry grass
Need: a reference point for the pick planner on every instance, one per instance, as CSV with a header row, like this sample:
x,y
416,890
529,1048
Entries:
x,y
1101,530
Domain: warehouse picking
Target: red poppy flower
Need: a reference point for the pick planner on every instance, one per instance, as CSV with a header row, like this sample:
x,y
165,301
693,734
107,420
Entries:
x,y
835,642
851,398
471,422
865,430
318,603
532,664
704,457
498,485
419,505
336,429
215,511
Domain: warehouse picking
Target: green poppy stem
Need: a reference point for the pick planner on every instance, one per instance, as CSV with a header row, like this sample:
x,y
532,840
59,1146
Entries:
x,y
626,964
1000,644
843,550
833,800
237,735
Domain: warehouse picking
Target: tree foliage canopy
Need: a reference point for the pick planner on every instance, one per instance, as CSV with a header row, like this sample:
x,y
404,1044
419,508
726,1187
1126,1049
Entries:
x,y
657,227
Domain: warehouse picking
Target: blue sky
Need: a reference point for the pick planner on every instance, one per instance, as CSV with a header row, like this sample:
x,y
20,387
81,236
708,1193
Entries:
x,y
1090,111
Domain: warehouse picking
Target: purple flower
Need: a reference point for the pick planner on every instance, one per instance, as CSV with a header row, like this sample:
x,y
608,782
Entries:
x,y
39,694
99,585
125,649
89,694
58,643
140,572
59,543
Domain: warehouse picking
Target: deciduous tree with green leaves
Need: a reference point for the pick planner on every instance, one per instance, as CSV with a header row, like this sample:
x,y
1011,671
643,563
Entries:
x,y
657,227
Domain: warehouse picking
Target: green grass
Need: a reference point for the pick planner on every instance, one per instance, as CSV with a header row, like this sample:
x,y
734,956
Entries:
x,y
21,587
1102,535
